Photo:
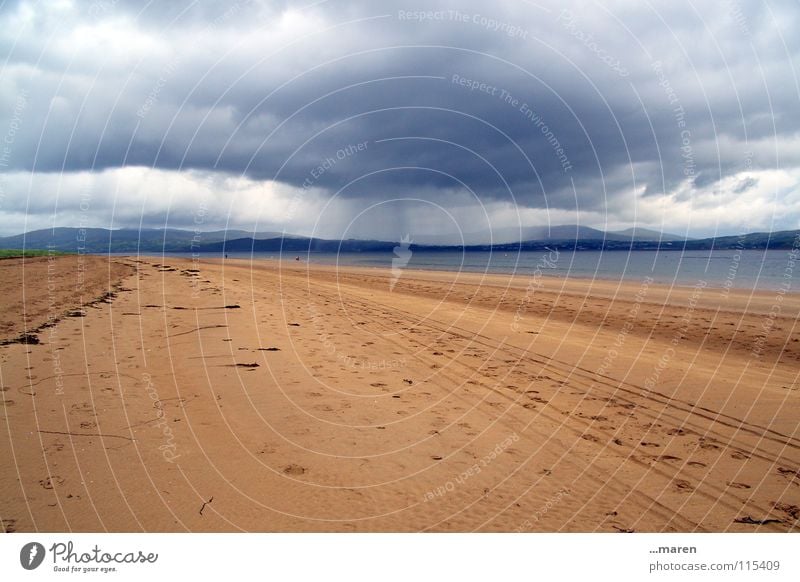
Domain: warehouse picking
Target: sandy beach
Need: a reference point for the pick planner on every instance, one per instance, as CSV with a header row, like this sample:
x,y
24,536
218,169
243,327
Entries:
x,y
148,394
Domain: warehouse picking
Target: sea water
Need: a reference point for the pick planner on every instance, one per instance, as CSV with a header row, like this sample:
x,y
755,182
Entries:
x,y
726,269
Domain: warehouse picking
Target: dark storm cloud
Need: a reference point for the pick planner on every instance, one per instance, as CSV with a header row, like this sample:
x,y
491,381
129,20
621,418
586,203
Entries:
x,y
744,185
509,101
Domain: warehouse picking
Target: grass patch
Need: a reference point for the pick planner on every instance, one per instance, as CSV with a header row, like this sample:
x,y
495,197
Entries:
x,y
18,253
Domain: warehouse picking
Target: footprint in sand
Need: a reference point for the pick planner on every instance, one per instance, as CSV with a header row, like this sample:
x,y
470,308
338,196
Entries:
x,y
377,384
294,469
683,485
790,473
739,455
9,525
56,447
696,464
646,444
83,408
791,510
706,445
51,481
736,485
676,432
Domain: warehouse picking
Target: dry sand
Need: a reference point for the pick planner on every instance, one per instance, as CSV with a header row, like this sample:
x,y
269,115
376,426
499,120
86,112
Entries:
x,y
204,396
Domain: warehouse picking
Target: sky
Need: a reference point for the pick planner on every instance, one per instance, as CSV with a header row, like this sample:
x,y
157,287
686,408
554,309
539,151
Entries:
x,y
378,119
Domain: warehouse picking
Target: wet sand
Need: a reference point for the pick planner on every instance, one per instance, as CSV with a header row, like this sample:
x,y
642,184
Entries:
x,y
179,395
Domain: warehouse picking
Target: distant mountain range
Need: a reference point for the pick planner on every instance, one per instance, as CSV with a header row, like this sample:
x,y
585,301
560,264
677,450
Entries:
x,y
124,240
148,241
546,233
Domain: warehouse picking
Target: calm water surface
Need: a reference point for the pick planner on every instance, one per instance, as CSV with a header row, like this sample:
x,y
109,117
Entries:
x,y
737,269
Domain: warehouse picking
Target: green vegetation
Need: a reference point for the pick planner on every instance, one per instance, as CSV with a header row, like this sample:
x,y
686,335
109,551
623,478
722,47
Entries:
x,y
17,253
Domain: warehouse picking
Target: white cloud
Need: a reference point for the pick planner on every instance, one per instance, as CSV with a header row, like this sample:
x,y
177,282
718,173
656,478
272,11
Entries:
x,y
130,196
124,197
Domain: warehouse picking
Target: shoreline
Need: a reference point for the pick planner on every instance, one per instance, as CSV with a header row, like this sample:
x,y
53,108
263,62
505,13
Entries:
x,y
755,300
769,286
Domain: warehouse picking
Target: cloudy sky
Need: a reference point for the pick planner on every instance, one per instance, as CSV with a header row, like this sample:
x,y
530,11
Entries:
x,y
370,118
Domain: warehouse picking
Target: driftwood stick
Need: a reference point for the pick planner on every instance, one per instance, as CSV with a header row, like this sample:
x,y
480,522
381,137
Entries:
x,y
202,507
197,329
84,434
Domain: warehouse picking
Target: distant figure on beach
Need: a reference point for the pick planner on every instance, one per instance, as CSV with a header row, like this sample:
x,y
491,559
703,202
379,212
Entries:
x,y
297,258
226,255
400,260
